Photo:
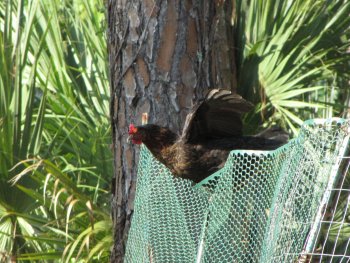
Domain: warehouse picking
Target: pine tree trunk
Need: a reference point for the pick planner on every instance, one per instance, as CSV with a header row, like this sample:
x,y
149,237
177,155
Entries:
x,y
164,55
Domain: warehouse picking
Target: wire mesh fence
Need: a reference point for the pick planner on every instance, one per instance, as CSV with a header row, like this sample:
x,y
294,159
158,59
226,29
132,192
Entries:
x,y
287,205
332,232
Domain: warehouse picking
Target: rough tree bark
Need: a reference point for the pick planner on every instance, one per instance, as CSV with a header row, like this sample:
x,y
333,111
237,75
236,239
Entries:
x,y
163,54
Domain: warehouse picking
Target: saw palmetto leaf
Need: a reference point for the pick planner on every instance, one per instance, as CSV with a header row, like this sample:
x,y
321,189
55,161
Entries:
x,y
291,50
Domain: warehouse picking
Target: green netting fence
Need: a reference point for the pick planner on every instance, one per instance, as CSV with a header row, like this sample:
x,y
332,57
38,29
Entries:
x,y
263,206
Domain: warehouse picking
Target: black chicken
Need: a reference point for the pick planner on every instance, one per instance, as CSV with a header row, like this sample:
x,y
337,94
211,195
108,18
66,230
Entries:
x,y
212,129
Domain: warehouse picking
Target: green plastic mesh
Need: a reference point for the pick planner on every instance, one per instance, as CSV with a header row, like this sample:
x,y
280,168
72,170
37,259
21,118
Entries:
x,y
261,207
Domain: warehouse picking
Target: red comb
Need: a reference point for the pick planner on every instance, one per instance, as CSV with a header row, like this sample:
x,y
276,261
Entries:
x,y
132,129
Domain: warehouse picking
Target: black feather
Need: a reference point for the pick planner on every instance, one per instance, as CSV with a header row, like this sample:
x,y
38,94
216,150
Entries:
x,y
217,116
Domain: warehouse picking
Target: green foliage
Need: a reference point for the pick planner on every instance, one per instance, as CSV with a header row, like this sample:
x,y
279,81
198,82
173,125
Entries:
x,y
54,131
292,58
293,61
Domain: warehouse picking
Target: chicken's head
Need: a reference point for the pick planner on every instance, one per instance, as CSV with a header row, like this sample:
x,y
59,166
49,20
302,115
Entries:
x,y
151,135
134,134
